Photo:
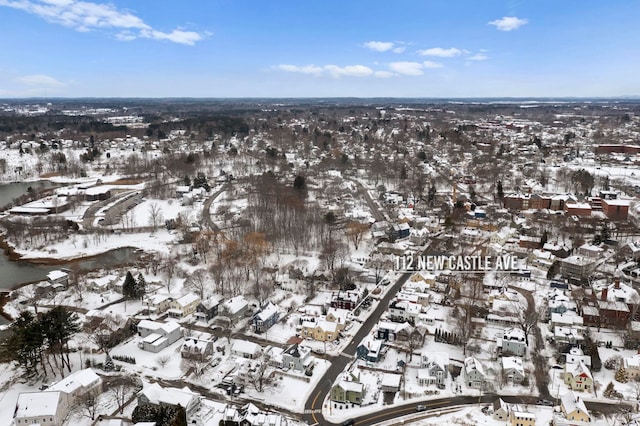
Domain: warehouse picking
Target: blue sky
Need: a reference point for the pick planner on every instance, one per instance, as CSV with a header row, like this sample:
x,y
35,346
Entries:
x,y
318,48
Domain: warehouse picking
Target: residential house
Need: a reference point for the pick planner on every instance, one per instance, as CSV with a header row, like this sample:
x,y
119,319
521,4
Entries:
x,y
184,306
512,342
268,316
250,415
390,382
501,410
512,370
386,330
197,349
570,335
434,368
321,330
246,349
573,408
40,408
577,267
402,311
208,308
347,392
576,355
154,394
578,377
296,357
337,315
156,304
370,350
632,366
58,277
348,299
474,374
235,308
77,385
521,418
156,335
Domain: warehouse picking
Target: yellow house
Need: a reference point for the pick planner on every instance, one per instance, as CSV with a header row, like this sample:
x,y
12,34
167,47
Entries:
x,y
337,315
185,305
521,418
322,330
578,377
573,408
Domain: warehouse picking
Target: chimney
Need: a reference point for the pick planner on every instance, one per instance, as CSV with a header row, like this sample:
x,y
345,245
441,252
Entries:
x,y
616,282
605,292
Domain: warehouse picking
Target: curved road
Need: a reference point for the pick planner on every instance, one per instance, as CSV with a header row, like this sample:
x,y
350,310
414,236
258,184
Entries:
x,y
313,406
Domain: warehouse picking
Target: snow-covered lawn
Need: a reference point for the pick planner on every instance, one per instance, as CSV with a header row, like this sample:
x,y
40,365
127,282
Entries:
x,y
78,246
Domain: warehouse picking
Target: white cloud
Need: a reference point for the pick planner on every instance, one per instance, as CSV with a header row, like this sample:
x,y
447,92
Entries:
x,y
431,64
407,68
478,57
87,16
332,70
383,74
349,70
508,23
309,69
440,52
379,46
40,80
399,49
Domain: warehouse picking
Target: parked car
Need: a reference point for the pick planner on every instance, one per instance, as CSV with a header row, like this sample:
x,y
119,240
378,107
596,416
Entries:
x,y
421,408
349,422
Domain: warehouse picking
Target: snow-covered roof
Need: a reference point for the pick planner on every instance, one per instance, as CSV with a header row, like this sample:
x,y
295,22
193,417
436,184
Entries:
x,y
512,363
79,379
471,364
169,396
513,334
267,312
579,369
350,386
391,380
37,404
188,299
235,304
572,403
56,275
245,347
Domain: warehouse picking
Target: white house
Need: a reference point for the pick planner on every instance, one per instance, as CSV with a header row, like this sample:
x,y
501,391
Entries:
x,y
156,395
157,336
246,349
40,408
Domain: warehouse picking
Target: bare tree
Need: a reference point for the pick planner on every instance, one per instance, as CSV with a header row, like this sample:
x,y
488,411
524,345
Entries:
x,y
163,360
198,282
355,231
87,405
155,215
170,267
121,388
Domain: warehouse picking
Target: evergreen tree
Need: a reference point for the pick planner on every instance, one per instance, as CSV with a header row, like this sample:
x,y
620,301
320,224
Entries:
x,y
108,363
499,190
25,344
621,375
59,325
610,390
141,286
129,286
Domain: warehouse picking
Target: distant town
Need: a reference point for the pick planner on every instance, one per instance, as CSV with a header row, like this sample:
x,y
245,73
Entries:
x,y
286,262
